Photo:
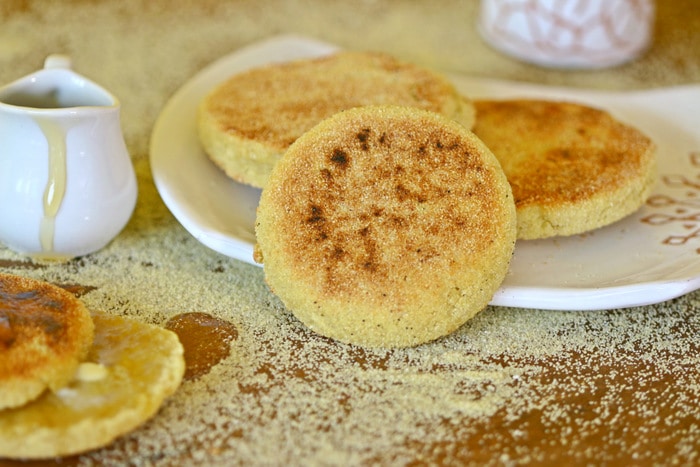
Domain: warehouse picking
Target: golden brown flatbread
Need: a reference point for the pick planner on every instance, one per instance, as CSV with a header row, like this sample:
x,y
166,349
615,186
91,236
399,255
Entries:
x,y
130,370
44,333
386,226
247,122
572,168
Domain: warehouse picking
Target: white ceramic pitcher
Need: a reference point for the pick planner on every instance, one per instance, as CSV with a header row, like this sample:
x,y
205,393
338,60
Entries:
x,y
67,185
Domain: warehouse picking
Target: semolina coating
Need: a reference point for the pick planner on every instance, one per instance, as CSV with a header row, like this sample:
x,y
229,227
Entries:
x,y
131,368
247,122
386,226
45,332
572,168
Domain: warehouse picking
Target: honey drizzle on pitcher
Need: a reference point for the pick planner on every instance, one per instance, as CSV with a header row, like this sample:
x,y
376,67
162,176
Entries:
x,y
55,189
75,117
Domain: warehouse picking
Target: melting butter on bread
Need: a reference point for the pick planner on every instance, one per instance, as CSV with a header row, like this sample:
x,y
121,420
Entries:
x,y
44,333
114,380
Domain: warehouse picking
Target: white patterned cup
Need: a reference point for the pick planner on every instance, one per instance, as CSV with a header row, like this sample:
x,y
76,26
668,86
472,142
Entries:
x,y
569,33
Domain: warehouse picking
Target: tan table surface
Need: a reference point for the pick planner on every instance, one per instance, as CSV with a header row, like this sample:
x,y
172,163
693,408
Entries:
x,y
513,386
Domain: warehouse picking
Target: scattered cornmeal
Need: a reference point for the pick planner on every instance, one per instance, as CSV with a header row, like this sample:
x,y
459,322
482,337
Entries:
x,y
386,226
248,121
129,370
572,168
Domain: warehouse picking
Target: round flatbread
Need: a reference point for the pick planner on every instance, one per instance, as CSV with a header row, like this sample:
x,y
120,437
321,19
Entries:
x,y
247,122
572,168
44,333
130,370
386,226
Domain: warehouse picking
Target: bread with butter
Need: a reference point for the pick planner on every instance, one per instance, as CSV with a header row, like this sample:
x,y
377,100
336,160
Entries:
x,y
131,368
44,334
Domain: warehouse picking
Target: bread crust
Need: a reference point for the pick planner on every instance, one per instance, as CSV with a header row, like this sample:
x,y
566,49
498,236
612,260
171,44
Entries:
x,y
44,333
386,226
247,122
143,364
573,168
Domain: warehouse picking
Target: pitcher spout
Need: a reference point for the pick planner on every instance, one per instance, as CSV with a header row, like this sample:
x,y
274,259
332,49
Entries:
x,y
56,86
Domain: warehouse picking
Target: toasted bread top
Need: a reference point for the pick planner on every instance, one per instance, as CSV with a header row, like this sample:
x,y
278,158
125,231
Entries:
x,y
275,104
44,332
131,368
380,220
562,156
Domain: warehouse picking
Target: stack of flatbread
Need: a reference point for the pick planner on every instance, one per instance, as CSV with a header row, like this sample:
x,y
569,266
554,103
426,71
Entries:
x,y
249,121
391,204
72,381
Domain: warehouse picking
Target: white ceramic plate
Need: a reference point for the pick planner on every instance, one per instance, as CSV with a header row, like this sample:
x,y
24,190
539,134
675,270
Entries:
x,y
649,257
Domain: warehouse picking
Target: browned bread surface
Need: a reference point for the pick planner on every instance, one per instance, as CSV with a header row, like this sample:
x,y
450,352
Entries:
x,y
572,168
386,226
130,370
44,333
248,121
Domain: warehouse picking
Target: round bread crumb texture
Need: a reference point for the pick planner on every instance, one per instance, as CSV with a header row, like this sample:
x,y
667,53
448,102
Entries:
x,y
386,226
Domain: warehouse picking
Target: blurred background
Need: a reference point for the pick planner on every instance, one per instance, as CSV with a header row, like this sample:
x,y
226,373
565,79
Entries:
x,y
143,51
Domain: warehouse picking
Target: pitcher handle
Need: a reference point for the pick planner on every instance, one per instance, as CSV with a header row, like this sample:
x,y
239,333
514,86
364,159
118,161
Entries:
x,y
57,61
